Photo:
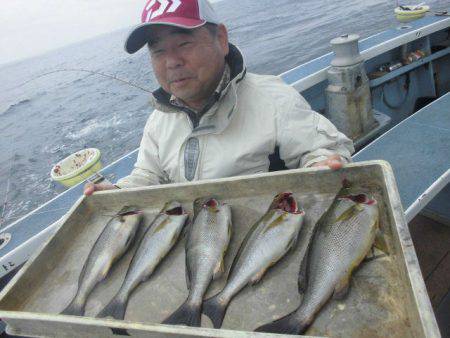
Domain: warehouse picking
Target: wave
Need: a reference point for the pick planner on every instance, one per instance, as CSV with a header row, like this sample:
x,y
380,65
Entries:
x,y
94,126
14,106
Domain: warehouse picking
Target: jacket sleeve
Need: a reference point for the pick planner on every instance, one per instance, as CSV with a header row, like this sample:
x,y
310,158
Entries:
x,y
305,137
147,169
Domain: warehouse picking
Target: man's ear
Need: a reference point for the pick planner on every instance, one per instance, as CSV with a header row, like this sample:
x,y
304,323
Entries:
x,y
222,35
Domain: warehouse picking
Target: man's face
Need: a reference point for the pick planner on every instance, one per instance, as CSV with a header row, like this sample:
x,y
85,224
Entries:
x,y
188,63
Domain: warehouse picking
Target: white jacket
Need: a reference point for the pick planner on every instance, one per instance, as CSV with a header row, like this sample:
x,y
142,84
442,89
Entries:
x,y
254,115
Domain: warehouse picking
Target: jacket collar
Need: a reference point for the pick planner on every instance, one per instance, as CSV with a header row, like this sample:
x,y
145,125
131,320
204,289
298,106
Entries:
x,y
161,99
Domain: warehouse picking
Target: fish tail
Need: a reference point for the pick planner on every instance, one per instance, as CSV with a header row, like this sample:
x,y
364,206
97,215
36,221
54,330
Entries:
x,y
215,309
187,314
115,308
289,324
75,308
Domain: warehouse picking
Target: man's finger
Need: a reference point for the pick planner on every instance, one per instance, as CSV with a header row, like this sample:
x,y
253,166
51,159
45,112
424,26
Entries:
x,y
89,189
335,164
104,186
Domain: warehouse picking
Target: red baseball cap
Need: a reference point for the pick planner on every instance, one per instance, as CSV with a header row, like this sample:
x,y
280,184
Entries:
x,y
180,13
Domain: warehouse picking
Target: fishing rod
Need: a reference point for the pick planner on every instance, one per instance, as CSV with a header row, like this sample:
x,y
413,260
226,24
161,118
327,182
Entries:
x,y
87,71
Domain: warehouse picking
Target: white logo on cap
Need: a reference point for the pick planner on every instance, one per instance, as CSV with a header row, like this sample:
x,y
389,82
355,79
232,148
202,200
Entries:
x,y
162,8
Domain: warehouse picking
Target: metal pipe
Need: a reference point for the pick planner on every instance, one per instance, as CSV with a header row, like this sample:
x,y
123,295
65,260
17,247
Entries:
x,y
427,196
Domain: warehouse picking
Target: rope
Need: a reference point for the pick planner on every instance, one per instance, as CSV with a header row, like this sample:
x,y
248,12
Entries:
x,y
405,97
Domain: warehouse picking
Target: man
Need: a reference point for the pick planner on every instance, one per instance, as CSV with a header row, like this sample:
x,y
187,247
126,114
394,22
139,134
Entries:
x,y
213,119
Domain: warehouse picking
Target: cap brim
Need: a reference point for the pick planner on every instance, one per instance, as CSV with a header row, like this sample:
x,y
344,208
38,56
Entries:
x,y
139,35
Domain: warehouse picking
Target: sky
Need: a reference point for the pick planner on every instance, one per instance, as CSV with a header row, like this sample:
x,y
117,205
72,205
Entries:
x,y
29,28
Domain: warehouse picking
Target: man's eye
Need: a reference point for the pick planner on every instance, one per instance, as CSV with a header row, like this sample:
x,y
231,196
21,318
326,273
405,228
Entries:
x,y
184,44
157,51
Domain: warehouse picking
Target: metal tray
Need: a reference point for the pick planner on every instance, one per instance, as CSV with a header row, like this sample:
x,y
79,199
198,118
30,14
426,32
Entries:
x,y
387,296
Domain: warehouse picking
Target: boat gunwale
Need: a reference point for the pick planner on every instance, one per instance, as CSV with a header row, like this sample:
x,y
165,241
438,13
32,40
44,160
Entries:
x,y
411,34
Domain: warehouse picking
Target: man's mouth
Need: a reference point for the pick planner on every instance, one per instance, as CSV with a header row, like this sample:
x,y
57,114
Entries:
x,y
180,81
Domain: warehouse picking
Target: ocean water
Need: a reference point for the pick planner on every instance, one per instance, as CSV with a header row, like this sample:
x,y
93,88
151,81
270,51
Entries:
x,y
45,118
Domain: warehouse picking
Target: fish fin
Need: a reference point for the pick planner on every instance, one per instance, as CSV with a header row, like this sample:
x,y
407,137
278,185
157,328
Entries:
x,y
303,273
185,229
349,213
215,310
188,276
276,222
75,308
341,288
291,244
302,280
256,278
187,314
115,308
219,269
187,226
253,230
380,242
161,226
130,240
288,324
186,259
174,239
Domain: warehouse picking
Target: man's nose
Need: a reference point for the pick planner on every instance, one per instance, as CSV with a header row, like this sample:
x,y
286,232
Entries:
x,y
174,60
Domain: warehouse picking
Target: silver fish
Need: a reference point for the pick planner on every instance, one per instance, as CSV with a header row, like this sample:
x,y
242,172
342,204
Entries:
x,y
112,243
157,241
266,243
342,238
206,245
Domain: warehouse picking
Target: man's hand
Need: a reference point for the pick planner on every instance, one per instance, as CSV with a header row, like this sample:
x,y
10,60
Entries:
x,y
333,162
90,187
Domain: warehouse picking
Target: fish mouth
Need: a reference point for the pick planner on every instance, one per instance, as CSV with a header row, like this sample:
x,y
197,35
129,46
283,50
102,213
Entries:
x,y
128,211
360,199
177,211
173,208
211,203
286,202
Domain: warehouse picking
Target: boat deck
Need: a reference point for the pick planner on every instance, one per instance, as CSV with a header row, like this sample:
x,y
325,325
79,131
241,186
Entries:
x,y
419,153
